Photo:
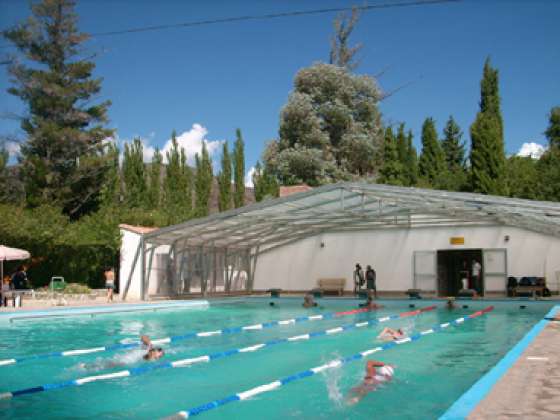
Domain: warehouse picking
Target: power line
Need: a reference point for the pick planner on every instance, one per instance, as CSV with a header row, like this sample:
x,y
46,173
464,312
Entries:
x,y
266,16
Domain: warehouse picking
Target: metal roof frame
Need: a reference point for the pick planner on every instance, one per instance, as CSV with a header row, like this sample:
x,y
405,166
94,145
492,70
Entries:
x,y
355,206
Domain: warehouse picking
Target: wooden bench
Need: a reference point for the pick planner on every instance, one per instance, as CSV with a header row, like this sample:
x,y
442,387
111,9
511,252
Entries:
x,y
332,285
533,291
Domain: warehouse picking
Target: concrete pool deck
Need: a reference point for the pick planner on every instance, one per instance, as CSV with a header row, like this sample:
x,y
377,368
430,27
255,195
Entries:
x,y
530,389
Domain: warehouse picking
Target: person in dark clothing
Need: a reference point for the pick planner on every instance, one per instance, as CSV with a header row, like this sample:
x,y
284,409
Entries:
x,y
19,279
358,278
370,280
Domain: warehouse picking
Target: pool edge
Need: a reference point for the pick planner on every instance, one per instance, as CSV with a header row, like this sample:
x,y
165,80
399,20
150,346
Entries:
x,y
468,401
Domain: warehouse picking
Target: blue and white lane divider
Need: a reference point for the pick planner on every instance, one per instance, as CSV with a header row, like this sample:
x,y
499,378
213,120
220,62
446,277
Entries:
x,y
313,371
176,338
206,358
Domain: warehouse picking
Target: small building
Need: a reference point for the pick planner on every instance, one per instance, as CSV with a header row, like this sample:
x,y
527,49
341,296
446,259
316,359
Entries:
x,y
413,238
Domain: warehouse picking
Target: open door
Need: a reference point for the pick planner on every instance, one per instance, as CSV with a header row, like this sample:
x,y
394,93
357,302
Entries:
x,y
494,270
425,276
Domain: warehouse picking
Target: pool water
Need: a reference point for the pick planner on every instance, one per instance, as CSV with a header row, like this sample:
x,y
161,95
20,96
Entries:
x,y
431,373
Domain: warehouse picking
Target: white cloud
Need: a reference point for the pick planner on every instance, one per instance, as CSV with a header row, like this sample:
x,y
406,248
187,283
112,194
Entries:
x,y
249,177
12,148
191,142
532,149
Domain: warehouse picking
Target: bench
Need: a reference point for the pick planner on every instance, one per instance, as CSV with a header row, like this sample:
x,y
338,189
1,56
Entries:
x,y
332,285
532,291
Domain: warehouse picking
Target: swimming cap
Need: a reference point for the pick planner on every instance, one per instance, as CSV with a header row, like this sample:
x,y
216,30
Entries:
x,y
386,370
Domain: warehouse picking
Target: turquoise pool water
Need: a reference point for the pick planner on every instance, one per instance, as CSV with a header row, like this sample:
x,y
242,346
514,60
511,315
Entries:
x,y
430,375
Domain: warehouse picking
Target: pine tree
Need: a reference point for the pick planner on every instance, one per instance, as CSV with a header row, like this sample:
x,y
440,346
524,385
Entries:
x,y
62,159
134,174
154,190
553,131
392,170
411,164
239,170
454,150
224,180
203,182
431,166
487,137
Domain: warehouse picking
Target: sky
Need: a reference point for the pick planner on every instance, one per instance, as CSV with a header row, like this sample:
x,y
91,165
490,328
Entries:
x,y
206,81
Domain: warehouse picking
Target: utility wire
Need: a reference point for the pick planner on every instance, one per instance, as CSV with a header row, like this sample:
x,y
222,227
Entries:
x,y
266,16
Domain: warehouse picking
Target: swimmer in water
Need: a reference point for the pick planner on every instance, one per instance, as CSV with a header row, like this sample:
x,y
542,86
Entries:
x,y
370,304
376,374
154,353
389,334
450,304
308,301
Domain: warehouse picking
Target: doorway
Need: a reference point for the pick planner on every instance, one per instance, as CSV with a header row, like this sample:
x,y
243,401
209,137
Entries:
x,y
455,265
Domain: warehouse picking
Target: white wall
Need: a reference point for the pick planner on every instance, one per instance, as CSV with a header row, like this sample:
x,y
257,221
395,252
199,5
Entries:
x,y
390,252
129,245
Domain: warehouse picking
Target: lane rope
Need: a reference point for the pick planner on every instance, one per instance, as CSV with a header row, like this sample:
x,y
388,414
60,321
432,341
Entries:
x,y
177,338
313,371
140,370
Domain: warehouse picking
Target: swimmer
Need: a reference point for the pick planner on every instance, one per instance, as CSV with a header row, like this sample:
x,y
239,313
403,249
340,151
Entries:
x,y
390,334
154,353
370,304
373,378
308,301
450,304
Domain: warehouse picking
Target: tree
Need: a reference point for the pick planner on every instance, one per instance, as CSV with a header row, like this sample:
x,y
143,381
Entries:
x,y
62,159
154,189
239,170
411,163
454,150
224,180
330,129
203,182
134,174
392,170
548,166
264,184
111,190
522,177
177,184
341,54
553,131
431,165
487,148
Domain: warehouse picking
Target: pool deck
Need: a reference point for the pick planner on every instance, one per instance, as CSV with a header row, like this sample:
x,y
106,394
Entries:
x,y
530,389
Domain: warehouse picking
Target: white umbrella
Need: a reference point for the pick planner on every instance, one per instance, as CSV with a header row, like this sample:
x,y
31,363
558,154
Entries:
x,y
11,254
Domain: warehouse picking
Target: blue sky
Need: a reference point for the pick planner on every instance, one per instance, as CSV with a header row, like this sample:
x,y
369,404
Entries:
x,y
219,77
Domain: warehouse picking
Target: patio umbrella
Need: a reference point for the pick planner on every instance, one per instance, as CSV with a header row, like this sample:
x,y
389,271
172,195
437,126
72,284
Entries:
x,y
11,254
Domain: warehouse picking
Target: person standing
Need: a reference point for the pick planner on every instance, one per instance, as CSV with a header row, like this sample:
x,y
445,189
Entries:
x,y
475,275
358,278
371,277
109,282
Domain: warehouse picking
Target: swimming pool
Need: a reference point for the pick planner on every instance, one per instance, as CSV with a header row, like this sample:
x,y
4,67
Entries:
x,y
431,373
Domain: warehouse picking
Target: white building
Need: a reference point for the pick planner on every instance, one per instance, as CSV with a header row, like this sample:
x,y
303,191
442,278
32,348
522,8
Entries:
x,y
413,238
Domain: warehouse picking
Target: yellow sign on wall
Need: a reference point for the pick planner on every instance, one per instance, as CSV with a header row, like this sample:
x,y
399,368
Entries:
x,y
457,240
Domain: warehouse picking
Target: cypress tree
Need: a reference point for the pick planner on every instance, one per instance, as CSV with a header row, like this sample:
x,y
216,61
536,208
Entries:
x,y
411,165
402,152
203,182
431,166
487,137
391,170
239,170
454,150
62,160
111,190
548,166
258,184
154,192
265,184
133,174
177,190
224,180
